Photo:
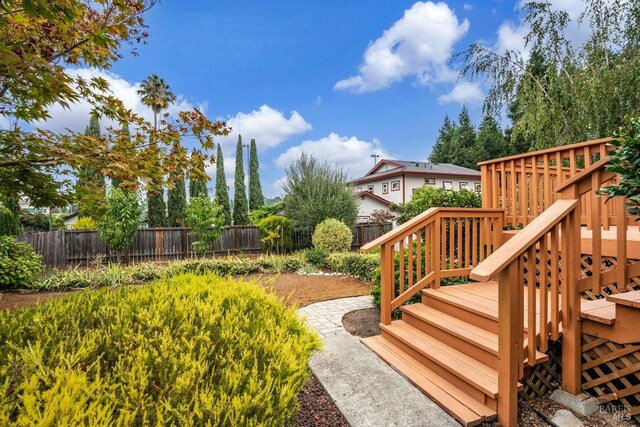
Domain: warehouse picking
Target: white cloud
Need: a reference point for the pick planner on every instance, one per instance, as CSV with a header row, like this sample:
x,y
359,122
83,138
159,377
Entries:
x,y
419,44
268,126
467,6
76,118
463,92
351,153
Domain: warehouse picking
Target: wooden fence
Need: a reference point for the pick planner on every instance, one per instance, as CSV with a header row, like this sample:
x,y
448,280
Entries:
x,y
60,248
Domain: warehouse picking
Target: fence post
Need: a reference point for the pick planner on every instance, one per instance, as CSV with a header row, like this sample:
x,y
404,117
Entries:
x,y
185,242
386,282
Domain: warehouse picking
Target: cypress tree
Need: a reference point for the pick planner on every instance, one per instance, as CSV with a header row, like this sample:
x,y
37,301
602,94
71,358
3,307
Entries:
x,y
9,215
222,192
177,200
90,187
156,208
256,198
198,188
240,211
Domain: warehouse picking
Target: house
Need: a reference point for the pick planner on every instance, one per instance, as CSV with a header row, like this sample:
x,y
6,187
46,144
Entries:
x,y
395,181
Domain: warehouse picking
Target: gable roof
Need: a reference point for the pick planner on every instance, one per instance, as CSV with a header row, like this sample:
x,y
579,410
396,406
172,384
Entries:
x,y
373,196
412,167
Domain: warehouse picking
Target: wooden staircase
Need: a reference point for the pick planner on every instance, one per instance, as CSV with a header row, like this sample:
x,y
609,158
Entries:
x,y
448,347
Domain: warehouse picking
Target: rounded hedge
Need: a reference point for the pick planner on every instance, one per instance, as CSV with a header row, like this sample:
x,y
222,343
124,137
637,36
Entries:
x,y
191,350
276,233
19,263
332,236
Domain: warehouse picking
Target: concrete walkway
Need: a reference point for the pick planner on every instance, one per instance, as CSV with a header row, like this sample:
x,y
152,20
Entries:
x,y
367,391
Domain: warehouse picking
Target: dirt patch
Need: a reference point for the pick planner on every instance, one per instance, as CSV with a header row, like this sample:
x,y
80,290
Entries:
x,y
363,323
317,408
13,300
301,290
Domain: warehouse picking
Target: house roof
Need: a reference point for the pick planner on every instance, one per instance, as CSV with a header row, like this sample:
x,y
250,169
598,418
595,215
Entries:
x,y
412,167
373,196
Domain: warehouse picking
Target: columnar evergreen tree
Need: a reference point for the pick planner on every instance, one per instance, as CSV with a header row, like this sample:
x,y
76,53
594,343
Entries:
x,y
90,187
156,209
222,191
465,139
177,200
490,142
240,210
256,198
198,188
9,215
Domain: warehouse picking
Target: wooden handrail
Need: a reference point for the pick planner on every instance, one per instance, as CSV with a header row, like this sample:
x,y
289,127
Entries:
x,y
522,241
399,230
548,151
418,221
585,176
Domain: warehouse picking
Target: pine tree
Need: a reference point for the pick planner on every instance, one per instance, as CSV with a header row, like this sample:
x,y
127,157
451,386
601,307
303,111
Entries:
x,y
240,211
115,182
198,188
441,152
156,209
177,200
490,141
463,145
222,192
90,187
256,198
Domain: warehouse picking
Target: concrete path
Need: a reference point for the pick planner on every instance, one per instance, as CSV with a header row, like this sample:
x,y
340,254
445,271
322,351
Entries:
x,y
367,391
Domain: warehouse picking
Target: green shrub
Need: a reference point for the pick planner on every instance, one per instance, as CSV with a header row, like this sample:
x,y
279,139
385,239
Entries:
x,y
145,272
185,351
228,266
67,279
331,236
316,257
19,263
433,197
84,223
292,264
362,266
276,233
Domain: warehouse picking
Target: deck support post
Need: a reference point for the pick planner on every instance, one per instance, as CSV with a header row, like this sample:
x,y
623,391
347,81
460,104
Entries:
x,y
509,344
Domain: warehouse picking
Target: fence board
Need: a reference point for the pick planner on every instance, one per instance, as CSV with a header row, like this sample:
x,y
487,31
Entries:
x,y
60,248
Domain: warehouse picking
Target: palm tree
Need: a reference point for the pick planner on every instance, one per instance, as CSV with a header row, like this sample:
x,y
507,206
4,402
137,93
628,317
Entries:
x,y
156,94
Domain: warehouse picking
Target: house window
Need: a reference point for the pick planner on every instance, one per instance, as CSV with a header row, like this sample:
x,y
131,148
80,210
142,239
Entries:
x,y
413,191
429,181
370,188
395,185
464,185
447,185
478,187
359,190
385,188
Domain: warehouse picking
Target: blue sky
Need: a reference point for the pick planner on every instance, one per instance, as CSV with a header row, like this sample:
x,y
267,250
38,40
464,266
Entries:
x,y
339,79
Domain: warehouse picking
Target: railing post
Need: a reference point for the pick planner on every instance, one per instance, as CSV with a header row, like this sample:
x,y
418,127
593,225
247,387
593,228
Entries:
x,y
509,344
437,242
571,326
386,282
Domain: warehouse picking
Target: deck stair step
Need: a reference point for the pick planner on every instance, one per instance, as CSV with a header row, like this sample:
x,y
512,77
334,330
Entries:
x,y
599,310
465,337
463,369
629,299
462,407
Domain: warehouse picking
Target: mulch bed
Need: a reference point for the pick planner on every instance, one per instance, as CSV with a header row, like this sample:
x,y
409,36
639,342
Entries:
x,y
363,323
317,408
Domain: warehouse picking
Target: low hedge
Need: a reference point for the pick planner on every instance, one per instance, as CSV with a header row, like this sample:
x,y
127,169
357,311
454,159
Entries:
x,y
362,266
227,266
191,350
19,263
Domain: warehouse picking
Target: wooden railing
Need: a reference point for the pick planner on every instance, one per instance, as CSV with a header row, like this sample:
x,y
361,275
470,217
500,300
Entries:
x,y
525,185
542,262
437,244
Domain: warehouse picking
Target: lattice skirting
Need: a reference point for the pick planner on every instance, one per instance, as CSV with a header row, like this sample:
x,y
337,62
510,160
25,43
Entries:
x,y
608,263
611,372
544,377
